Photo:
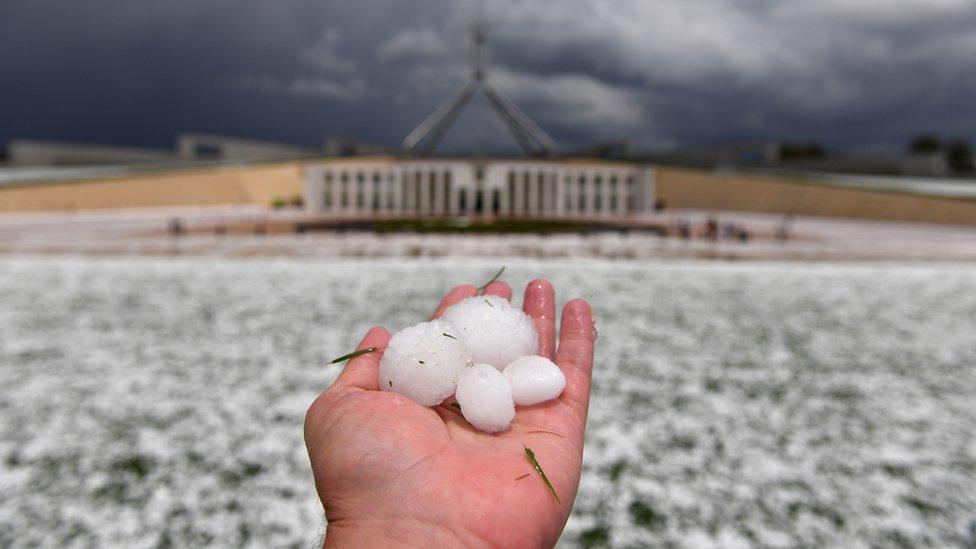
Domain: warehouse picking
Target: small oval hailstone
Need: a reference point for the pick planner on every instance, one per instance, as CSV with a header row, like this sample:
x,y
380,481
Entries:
x,y
496,332
422,362
534,379
485,398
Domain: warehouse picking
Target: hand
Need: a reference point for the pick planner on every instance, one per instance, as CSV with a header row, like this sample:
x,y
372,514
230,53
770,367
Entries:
x,y
392,472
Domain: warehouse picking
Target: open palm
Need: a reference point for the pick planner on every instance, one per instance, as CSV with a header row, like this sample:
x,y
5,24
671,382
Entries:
x,y
392,472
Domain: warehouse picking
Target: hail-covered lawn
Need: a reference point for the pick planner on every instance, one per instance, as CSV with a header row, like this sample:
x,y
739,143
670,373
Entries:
x,y
159,403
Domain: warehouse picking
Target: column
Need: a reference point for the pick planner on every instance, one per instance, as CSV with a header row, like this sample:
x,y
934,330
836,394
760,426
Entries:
x,y
519,180
313,185
607,190
534,182
560,197
597,204
423,189
440,186
398,206
650,188
451,174
553,207
409,184
545,194
583,194
384,190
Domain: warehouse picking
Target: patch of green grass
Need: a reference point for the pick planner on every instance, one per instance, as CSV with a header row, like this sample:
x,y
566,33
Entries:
x,y
645,516
617,469
682,442
598,536
896,470
920,505
135,465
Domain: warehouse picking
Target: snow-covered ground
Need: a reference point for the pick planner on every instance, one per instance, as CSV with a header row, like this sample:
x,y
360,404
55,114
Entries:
x,y
159,402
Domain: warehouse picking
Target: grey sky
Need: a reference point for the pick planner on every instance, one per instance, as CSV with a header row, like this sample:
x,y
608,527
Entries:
x,y
851,73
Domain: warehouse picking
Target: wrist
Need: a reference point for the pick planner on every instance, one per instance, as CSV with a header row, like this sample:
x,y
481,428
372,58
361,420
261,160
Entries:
x,y
393,533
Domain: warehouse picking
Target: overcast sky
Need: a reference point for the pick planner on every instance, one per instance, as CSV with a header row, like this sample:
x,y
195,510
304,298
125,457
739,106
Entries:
x,y
849,73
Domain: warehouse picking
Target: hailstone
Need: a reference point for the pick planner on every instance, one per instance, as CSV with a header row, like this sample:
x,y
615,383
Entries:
x,y
534,379
496,332
423,362
485,398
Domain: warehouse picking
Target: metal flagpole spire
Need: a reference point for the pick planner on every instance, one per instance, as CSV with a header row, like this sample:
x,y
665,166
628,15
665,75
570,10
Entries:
x,y
533,140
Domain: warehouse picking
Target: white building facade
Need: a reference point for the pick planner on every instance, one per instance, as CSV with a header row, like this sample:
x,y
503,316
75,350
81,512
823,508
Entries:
x,y
458,187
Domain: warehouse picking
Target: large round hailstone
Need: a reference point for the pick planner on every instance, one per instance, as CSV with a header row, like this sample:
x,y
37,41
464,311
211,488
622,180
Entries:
x,y
422,362
496,332
485,398
534,379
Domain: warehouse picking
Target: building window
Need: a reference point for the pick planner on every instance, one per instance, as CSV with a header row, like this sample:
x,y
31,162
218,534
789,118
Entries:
x,y
390,192
614,192
568,190
526,192
540,192
327,191
631,202
360,190
344,190
548,193
554,193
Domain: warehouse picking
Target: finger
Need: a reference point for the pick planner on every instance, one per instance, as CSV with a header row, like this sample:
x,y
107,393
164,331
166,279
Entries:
x,y
577,335
540,304
500,289
364,370
455,295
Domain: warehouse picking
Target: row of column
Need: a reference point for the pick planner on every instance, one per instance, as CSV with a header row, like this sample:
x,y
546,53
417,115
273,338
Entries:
x,y
563,192
390,191
573,192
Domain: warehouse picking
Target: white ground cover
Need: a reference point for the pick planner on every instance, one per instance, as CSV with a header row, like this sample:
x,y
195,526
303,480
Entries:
x,y
155,402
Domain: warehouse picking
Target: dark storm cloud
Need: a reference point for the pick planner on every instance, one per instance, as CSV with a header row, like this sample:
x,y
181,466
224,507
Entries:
x,y
852,73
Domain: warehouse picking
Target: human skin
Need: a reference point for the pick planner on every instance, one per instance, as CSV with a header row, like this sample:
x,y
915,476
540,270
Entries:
x,y
391,472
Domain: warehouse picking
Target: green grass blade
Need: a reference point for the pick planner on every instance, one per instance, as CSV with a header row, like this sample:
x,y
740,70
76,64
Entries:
x,y
538,468
353,354
481,288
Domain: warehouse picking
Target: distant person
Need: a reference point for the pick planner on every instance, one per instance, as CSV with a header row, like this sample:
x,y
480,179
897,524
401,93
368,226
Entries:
x,y
175,227
711,229
659,205
684,229
783,231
